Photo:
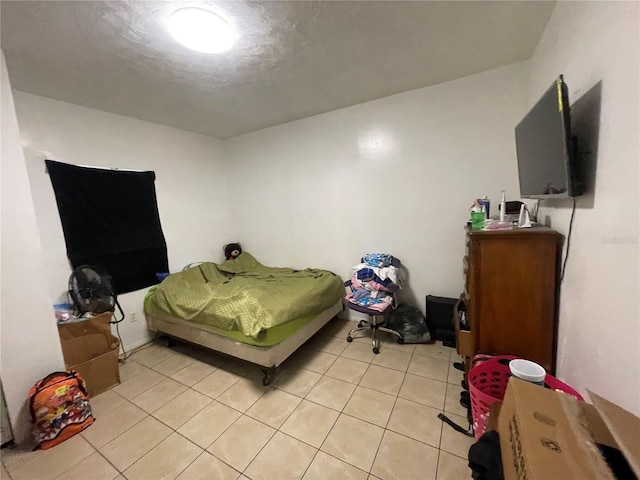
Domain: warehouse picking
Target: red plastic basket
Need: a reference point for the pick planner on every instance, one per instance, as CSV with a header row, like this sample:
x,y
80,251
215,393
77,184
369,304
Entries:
x,y
488,383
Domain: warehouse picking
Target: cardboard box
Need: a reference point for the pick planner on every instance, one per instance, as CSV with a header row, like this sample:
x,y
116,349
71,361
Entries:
x,y
91,349
82,341
546,434
101,372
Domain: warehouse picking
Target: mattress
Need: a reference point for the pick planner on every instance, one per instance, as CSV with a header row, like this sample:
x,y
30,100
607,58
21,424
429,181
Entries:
x,y
244,300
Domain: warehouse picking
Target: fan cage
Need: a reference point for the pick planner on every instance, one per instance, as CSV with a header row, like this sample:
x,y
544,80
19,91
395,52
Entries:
x,y
91,289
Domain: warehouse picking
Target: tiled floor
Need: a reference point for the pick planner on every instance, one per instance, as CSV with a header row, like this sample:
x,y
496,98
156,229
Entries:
x,y
335,411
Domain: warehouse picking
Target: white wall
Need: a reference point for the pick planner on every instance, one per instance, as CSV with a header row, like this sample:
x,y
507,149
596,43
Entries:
x,y
596,46
396,174
29,343
193,194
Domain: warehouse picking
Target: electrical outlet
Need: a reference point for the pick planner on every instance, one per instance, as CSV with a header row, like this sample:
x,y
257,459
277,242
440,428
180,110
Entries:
x,y
133,317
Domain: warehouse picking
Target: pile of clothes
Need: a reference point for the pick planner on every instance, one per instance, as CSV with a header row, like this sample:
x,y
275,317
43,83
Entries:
x,y
374,281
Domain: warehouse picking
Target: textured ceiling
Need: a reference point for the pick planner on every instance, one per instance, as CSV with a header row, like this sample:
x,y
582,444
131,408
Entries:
x,y
294,59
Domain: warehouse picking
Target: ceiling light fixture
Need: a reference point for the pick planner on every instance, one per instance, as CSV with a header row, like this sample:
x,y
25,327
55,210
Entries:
x,y
201,30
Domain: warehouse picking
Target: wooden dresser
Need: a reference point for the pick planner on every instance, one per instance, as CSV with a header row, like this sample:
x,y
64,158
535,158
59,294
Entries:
x,y
511,294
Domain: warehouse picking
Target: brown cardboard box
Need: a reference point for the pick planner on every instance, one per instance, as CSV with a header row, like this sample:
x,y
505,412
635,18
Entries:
x,y
82,341
101,372
546,434
91,349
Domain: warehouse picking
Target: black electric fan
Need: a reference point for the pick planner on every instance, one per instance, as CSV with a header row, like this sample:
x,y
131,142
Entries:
x,y
91,289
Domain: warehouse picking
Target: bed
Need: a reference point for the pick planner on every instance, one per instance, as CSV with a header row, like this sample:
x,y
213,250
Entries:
x,y
245,309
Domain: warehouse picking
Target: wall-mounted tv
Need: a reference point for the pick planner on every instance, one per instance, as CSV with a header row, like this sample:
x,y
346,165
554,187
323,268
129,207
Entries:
x,y
546,149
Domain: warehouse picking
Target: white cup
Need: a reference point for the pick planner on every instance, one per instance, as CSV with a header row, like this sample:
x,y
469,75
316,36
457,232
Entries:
x,y
528,370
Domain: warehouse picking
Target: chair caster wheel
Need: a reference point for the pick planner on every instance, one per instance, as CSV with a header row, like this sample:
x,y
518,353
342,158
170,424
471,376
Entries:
x,y
349,339
376,350
401,341
360,324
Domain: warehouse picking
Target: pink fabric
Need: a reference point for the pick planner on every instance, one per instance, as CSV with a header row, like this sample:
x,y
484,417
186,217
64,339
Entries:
x,y
371,285
355,283
378,286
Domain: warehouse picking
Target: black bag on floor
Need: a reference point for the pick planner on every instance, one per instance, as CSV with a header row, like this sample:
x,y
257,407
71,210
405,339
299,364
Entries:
x,y
439,319
409,322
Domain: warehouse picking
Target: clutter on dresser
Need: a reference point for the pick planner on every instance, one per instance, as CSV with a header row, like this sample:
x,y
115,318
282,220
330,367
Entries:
x,y
485,203
477,213
510,214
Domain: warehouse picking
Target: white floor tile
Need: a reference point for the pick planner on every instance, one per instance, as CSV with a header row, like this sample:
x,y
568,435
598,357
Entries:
x,y
388,428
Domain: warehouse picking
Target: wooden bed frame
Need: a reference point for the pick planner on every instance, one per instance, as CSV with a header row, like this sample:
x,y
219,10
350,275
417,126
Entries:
x,y
267,357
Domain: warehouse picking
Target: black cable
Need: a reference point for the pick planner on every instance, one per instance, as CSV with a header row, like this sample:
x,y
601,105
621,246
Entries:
x,y
566,254
455,426
137,349
124,352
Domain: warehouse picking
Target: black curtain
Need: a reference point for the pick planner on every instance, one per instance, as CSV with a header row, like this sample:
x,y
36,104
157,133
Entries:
x,y
110,219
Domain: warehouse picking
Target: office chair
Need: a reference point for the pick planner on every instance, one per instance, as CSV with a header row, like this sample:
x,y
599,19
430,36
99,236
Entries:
x,y
373,324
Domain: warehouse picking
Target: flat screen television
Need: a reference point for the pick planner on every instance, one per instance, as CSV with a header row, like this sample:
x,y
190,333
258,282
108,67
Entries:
x,y
546,149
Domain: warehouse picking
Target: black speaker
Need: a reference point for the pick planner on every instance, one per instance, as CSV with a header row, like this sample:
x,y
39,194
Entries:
x,y
440,319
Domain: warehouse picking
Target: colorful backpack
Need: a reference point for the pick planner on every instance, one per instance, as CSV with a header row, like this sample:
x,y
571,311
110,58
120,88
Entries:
x,y
59,408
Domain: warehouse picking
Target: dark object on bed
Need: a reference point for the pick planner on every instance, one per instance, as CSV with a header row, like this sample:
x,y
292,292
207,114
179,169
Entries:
x,y
110,218
232,250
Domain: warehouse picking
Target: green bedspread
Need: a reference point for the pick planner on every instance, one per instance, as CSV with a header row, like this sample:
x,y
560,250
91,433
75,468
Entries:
x,y
244,295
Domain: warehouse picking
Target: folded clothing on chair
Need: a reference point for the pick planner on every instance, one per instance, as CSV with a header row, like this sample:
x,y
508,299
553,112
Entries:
x,y
372,286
